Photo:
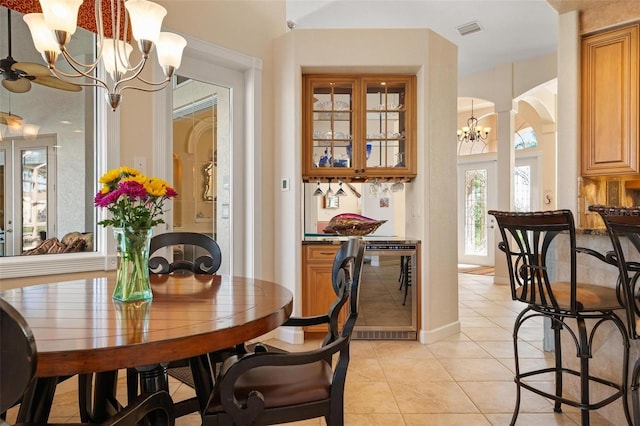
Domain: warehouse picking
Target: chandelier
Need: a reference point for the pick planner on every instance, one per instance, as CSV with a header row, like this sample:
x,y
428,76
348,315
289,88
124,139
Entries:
x,y
472,132
52,29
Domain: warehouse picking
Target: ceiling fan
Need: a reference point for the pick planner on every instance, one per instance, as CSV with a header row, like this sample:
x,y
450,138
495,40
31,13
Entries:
x,y
18,76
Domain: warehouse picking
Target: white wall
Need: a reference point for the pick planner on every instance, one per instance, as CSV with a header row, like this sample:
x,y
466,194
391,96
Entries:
x,y
430,202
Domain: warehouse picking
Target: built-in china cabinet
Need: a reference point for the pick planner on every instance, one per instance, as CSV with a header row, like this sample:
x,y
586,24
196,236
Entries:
x,y
358,128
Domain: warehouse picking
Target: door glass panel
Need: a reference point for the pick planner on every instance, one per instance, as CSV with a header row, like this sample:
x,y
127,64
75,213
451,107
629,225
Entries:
x,y
34,196
385,127
522,186
332,124
201,162
475,227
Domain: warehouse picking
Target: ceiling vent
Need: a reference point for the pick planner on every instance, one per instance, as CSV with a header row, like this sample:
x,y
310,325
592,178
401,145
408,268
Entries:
x,y
469,28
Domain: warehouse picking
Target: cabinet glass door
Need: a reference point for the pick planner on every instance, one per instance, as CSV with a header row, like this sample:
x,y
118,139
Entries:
x,y
386,124
332,124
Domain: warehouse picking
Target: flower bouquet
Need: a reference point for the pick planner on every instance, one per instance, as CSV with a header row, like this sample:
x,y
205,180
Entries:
x,y
135,202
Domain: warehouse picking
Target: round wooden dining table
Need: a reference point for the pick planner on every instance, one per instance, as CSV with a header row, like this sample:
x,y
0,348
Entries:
x,y
79,328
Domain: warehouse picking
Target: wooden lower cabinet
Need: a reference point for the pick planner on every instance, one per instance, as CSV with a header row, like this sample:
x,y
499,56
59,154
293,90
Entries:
x,y
317,290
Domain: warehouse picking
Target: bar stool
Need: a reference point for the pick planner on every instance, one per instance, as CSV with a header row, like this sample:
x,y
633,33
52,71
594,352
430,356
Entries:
x,y
527,242
624,224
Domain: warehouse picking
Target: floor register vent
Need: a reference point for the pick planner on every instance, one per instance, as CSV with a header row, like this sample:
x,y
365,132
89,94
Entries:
x,y
384,335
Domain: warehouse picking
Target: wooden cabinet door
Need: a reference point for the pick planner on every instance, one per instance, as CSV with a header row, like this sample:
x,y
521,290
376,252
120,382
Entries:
x,y
317,289
358,128
610,102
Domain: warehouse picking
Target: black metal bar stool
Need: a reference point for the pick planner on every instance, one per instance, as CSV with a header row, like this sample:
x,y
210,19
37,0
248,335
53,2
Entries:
x,y
624,224
527,242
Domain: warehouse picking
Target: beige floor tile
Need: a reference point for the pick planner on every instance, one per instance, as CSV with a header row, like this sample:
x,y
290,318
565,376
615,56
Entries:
x,y
500,397
401,349
532,419
505,350
367,398
410,371
372,419
365,370
458,350
445,420
432,397
464,369
492,334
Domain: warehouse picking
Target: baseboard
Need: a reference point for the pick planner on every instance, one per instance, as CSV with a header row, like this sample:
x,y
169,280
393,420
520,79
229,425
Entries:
x,y
293,335
440,333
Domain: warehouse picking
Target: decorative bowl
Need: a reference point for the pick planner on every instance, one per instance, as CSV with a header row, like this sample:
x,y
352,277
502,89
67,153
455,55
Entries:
x,y
351,224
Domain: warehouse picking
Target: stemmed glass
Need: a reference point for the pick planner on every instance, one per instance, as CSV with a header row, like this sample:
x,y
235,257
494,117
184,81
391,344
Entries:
x,y
341,192
397,186
318,192
330,192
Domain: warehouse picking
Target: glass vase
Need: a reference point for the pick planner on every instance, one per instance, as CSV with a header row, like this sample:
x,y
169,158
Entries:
x,y
132,275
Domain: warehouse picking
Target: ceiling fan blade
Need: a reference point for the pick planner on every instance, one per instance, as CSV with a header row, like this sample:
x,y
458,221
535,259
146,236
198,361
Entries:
x,y
31,68
20,85
56,83
10,119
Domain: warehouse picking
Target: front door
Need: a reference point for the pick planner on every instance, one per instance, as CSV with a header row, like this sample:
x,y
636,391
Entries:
x,y
477,188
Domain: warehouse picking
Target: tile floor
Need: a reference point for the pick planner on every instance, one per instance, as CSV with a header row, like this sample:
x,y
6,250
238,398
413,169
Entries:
x,y
466,379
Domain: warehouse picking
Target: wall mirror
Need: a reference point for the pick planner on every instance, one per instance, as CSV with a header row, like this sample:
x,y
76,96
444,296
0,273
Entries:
x,y
47,155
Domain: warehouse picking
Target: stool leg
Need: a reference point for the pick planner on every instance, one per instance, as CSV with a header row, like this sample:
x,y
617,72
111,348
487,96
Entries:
x,y
635,383
584,370
557,343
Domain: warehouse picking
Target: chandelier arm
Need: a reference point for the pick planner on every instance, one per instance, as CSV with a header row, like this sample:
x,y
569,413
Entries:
x,y
143,89
135,73
66,76
75,64
158,83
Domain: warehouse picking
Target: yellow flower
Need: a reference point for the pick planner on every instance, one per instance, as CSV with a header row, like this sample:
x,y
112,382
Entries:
x,y
156,187
105,189
114,175
141,179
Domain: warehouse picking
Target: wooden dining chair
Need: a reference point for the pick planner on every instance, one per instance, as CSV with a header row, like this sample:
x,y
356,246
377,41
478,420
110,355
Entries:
x,y
18,363
530,241
201,370
96,390
623,226
270,387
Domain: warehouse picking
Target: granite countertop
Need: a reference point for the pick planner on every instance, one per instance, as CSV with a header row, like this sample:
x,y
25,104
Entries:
x,y
339,239
592,231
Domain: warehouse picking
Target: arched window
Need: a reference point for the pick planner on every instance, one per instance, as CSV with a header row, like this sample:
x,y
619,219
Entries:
x,y
525,138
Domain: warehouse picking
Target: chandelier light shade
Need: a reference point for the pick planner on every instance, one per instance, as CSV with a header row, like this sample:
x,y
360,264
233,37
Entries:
x,y
51,31
472,132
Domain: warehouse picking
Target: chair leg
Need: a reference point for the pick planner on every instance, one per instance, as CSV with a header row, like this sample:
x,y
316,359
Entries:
x,y
132,385
584,354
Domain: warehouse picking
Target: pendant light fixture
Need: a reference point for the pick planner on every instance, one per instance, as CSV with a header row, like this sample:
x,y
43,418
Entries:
x,y
52,29
472,132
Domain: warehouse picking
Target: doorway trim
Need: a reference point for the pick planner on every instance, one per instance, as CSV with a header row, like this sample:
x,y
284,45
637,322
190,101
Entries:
x,y
247,199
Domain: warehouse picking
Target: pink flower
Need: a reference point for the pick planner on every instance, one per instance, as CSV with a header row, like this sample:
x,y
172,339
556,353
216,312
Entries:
x,y
133,190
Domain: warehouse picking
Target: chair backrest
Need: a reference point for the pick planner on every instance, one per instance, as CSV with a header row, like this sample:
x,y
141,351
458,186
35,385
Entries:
x,y
18,356
624,224
350,257
526,240
208,264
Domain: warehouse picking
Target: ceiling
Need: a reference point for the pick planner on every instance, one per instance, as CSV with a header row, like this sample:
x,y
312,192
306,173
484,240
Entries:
x,y
512,30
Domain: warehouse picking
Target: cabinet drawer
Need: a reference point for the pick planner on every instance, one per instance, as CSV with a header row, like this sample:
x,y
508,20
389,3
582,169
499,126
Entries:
x,y
322,253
